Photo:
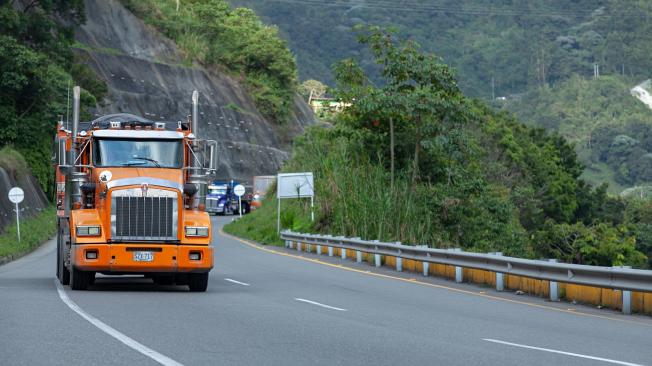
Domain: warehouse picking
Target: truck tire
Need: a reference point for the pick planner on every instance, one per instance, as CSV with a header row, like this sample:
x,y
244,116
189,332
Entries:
x,y
198,282
80,280
63,274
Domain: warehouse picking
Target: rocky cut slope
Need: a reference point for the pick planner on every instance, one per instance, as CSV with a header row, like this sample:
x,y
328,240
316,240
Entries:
x,y
146,76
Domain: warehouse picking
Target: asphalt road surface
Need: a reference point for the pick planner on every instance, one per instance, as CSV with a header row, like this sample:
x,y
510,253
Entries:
x,y
274,306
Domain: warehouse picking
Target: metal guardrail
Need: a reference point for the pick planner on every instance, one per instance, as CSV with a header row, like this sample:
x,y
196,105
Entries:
x,y
619,278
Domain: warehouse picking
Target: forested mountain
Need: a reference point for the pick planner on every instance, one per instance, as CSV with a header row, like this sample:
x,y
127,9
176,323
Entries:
x,y
538,55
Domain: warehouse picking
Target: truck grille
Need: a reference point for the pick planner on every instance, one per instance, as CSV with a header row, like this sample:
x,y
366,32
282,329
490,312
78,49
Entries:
x,y
211,203
152,216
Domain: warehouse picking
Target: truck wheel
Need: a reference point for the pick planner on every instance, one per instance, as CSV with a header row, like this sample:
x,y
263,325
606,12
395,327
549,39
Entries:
x,y
198,282
80,280
62,272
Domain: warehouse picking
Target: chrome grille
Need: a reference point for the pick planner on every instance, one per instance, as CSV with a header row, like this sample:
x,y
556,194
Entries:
x,y
144,215
211,203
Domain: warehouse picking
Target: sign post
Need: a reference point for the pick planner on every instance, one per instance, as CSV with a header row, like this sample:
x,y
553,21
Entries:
x,y
294,185
239,190
16,196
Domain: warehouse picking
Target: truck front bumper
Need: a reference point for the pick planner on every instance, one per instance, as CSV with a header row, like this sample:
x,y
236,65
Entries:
x,y
121,258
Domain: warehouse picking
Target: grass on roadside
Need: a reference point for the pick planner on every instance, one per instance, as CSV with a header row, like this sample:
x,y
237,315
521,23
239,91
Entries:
x,y
260,225
33,232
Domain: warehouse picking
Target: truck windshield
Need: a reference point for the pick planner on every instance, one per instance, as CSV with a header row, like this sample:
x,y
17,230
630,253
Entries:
x,y
141,153
217,190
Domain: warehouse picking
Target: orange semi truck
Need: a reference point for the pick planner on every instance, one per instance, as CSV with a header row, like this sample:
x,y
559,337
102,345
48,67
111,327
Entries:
x,y
130,196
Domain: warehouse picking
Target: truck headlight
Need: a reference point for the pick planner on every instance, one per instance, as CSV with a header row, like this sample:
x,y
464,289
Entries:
x,y
221,204
92,230
197,231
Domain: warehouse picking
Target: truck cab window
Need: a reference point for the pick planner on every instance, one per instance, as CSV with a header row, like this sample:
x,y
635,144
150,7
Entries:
x,y
138,153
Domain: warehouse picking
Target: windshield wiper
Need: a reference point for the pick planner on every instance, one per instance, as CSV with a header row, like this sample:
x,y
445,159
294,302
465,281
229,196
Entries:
x,y
146,159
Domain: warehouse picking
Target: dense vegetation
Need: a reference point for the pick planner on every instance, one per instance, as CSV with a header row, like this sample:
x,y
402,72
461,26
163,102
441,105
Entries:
x,y
38,67
416,161
501,48
612,130
213,33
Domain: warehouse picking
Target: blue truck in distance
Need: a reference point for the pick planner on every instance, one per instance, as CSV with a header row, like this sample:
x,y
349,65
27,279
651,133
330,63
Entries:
x,y
221,200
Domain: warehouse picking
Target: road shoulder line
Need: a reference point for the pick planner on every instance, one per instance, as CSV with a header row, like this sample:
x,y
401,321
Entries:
x,y
129,342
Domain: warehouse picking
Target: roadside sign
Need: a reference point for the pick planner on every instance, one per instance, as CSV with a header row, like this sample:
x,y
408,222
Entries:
x,y
239,190
294,185
16,195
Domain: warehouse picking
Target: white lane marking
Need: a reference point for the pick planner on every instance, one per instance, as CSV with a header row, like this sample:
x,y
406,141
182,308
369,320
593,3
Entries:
x,y
129,342
319,304
237,282
562,352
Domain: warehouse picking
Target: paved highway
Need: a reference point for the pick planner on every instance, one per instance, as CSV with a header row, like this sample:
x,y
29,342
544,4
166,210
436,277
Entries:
x,y
271,306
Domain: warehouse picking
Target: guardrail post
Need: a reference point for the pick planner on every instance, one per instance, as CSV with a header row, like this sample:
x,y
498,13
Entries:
x,y
376,256
554,286
500,277
358,256
459,273
627,299
399,260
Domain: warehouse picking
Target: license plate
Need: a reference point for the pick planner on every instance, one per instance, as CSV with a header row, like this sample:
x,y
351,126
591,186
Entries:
x,y
143,256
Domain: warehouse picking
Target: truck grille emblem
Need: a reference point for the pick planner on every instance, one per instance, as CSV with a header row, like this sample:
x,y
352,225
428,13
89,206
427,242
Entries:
x,y
143,188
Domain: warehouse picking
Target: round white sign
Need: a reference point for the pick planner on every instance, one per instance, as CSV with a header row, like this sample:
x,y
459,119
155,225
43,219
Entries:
x,y
239,190
16,195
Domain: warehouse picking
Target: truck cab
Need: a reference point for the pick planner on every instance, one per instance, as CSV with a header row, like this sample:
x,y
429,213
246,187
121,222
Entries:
x,y
130,200
222,200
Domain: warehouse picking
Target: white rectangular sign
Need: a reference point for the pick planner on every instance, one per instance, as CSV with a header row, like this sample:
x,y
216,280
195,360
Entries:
x,y
295,185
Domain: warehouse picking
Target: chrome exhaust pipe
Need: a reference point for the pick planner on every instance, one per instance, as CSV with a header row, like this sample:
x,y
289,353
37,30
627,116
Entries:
x,y
77,177
195,117
197,176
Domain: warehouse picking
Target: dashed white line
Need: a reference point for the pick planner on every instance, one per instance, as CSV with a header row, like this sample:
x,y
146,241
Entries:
x,y
129,342
319,304
237,282
562,352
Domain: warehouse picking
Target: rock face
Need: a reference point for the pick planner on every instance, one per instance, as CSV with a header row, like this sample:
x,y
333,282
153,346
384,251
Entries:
x,y
146,77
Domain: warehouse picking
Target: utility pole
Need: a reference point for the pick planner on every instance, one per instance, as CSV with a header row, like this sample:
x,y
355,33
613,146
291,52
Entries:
x,y
178,1
493,88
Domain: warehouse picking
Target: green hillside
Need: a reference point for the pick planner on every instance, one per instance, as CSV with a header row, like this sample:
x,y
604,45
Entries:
x,y
38,70
537,55
611,130
415,160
